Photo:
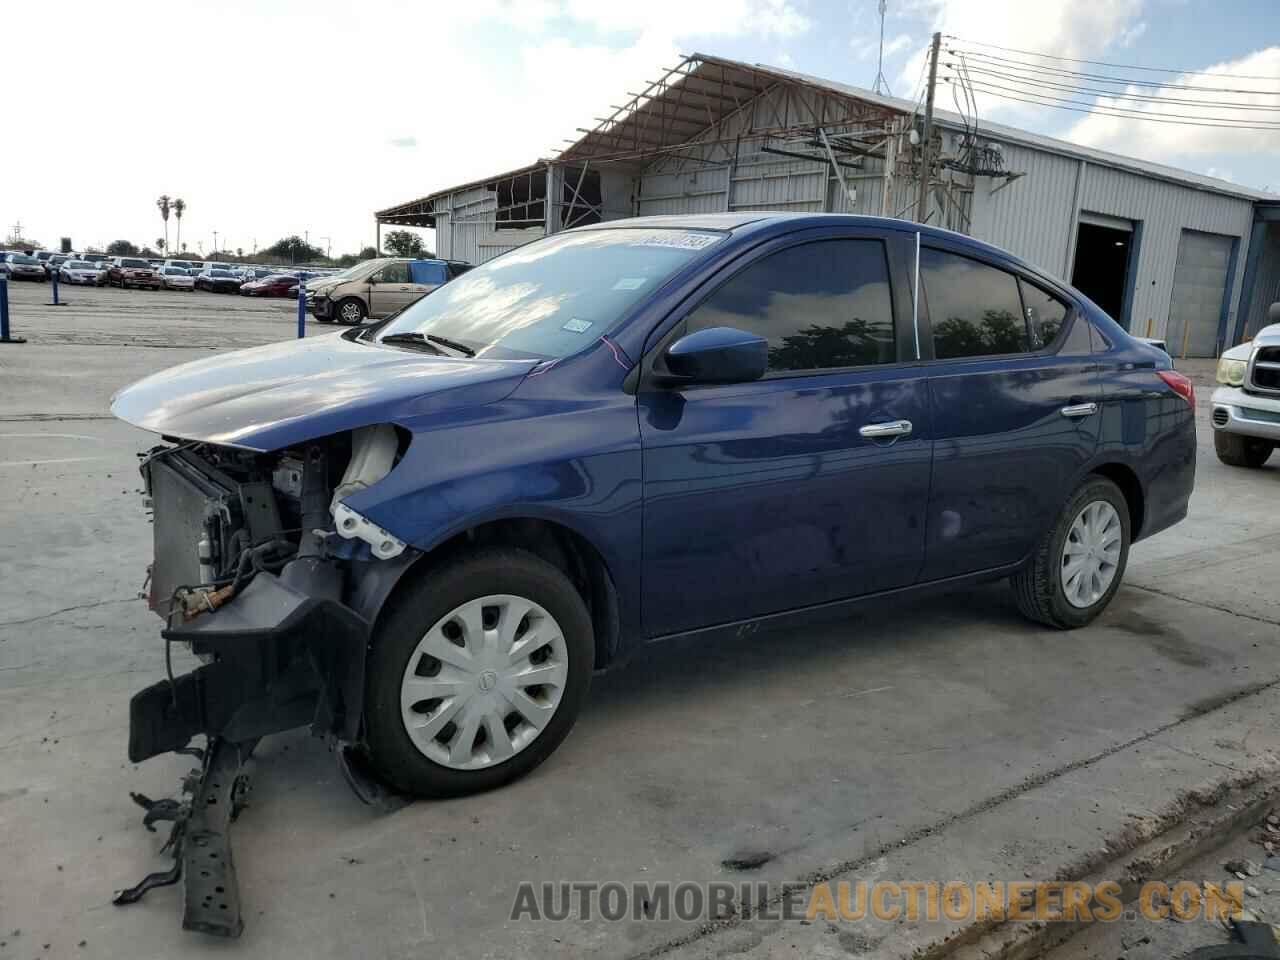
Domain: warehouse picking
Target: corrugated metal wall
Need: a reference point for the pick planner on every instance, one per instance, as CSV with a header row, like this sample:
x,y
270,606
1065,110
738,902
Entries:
x,y
1032,216
1266,288
1165,209
465,227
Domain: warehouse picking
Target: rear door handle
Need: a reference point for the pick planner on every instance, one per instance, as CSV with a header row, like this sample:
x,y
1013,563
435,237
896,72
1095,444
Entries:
x,y
1079,410
893,428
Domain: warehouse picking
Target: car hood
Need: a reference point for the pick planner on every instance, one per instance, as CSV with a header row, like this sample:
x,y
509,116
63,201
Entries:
x,y
267,398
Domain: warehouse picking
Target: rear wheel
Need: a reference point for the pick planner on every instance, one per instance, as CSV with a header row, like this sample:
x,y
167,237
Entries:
x,y
1078,564
477,673
1237,451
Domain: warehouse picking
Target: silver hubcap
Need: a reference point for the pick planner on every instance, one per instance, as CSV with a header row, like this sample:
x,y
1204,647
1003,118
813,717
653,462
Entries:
x,y
484,682
1091,554
351,313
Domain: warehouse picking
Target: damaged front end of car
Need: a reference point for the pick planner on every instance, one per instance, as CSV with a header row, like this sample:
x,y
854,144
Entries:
x,y
268,577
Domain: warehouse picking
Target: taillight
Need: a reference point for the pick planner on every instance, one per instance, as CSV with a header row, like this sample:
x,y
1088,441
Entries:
x,y
1180,384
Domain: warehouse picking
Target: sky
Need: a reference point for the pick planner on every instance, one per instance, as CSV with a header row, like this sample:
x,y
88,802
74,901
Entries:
x,y
272,118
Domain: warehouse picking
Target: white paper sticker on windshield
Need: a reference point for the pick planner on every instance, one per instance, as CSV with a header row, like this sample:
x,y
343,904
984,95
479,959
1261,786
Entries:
x,y
629,283
676,238
577,326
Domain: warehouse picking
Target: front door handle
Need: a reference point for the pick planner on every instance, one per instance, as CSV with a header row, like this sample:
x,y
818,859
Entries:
x,y
1079,410
893,428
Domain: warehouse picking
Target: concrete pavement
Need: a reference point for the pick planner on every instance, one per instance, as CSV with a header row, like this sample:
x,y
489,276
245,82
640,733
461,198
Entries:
x,y
950,733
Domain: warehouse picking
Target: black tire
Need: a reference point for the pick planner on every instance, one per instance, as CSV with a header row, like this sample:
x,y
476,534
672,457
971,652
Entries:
x,y
419,606
349,303
1237,451
1038,585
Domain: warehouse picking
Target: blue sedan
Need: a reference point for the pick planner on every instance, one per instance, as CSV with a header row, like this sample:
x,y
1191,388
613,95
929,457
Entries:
x,y
423,536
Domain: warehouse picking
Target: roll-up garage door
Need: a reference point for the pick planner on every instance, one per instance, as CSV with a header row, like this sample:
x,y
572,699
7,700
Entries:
x,y
1199,289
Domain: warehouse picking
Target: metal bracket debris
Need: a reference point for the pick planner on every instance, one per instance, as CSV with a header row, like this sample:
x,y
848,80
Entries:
x,y
200,841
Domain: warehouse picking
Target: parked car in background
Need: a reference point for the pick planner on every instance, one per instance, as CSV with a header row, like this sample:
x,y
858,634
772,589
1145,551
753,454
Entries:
x,y
52,265
24,267
176,278
628,432
81,272
127,272
1246,404
217,280
377,288
274,285
183,264
156,261
95,258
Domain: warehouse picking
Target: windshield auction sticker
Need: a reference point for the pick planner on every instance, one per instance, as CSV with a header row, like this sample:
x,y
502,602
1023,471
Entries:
x,y
683,239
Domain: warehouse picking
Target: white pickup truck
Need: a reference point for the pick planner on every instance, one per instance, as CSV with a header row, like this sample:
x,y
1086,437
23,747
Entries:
x,y
1246,404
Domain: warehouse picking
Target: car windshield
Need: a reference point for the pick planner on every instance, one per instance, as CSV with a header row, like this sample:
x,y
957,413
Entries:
x,y
174,272
136,264
22,258
78,265
552,297
219,273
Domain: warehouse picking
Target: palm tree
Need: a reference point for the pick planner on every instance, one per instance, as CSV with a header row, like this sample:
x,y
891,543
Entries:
x,y
179,206
163,204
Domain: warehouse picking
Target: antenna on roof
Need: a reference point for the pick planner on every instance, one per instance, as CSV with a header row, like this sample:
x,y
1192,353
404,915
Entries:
x,y
881,85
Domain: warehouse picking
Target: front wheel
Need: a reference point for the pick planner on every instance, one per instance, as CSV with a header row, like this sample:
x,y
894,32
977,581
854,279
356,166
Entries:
x,y
1077,566
477,673
350,311
1237,451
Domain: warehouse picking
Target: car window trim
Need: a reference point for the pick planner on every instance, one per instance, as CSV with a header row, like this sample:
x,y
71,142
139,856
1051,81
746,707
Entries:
x,y
1018,273
664,333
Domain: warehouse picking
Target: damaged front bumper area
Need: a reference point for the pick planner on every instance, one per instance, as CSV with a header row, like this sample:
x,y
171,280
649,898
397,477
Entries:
x,y
267,577
279,658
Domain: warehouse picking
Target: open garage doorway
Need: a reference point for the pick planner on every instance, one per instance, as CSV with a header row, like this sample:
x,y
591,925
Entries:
x,y
1105,249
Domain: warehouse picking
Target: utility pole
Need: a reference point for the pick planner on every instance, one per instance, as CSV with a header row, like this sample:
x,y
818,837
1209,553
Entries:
x,y
926,142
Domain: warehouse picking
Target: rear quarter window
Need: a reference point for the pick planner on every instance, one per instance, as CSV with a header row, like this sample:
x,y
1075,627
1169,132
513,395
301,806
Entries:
x,y
974,308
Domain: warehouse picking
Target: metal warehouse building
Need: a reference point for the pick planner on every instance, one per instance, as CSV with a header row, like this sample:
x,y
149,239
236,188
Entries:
x,y
1168,253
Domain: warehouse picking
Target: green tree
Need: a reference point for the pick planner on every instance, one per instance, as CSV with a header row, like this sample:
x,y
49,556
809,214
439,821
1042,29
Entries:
x,y
293,249
351,259
402,243
122,248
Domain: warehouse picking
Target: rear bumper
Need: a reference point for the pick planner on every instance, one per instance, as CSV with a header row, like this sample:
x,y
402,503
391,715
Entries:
x,y
280,658
1247,414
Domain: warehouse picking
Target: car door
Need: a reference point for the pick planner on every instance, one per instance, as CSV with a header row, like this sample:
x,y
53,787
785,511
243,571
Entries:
x,y
810,484
389,290
1015,398
424,276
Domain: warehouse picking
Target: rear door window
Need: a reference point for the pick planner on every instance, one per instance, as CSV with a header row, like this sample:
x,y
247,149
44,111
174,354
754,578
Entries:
x,y
974,308
821,305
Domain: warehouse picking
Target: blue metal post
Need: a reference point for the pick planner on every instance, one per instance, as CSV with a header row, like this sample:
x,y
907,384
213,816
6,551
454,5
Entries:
x,y
4,313
302,308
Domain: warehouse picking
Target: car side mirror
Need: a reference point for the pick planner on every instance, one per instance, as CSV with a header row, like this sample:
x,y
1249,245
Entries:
x,y
717,355
374,280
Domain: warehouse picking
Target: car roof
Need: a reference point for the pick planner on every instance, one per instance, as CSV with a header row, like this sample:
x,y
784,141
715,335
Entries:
x,y
766,221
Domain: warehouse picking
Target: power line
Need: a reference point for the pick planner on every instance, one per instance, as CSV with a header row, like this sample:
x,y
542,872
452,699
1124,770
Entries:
x,y
1104,63
1102,91
1077,106
1102,78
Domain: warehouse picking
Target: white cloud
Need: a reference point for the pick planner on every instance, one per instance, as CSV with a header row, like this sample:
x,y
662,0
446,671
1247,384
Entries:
x,y
899,43
341,106
781,18
1133,34
1163,141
